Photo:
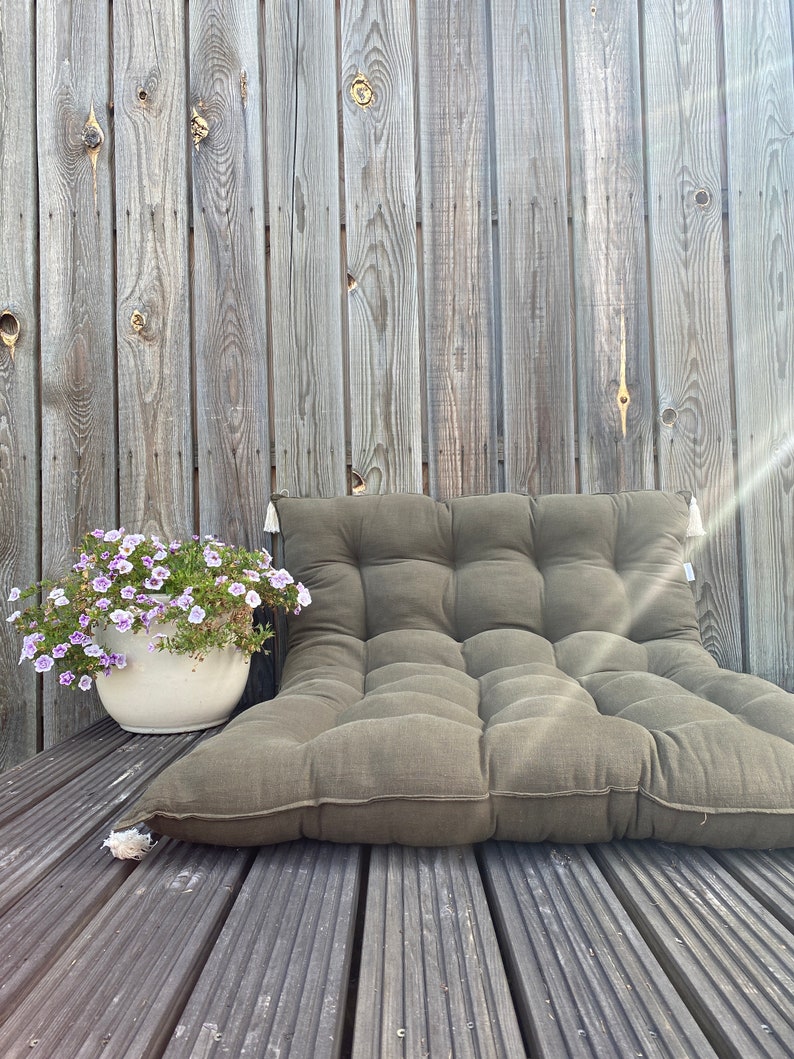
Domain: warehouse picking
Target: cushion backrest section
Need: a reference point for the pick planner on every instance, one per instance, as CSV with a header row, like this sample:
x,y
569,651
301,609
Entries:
x,y
552,565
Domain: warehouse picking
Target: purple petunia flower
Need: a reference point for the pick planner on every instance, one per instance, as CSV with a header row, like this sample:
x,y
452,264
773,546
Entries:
x,y
185,600
78,638
252,598
85,682
236,589
29,644
84,620
14,595
14,616
280,579
43,664
196,616
128,592
103,603
211,557
122,619
59,650
101,583
93,650
304,599
66,678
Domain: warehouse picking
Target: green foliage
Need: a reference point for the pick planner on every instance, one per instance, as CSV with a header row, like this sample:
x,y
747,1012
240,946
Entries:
x,y
189,596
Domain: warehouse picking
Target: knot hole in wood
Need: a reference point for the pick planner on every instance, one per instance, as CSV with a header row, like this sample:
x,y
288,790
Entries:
x,y
361,91
669,416
9,330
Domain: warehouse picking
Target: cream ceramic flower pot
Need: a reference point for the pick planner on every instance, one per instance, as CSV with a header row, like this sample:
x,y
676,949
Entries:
x,y
158,692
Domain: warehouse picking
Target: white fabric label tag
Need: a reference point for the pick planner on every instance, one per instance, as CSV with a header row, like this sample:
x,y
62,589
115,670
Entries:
x,y
690,573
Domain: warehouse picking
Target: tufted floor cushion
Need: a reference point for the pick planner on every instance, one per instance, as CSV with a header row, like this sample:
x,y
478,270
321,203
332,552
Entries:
x,y
493,666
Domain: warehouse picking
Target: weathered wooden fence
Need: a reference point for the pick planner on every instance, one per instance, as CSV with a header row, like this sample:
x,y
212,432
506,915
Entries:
x,y
448,245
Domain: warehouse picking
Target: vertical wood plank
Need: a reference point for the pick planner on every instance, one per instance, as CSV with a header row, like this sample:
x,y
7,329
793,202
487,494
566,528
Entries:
x,y
690,328
19,416
153,299
610,286
229,270
380,201
305,265
457,244
533,246
760,123
78,464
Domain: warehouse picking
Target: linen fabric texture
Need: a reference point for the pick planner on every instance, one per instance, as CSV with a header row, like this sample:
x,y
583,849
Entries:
x,y
492,667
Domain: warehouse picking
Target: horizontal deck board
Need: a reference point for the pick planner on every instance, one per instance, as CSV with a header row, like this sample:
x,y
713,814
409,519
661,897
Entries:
x,y
768,875
38,838
562,952
730,958
119,987
34,779
586,984
432,981
53,912
279,988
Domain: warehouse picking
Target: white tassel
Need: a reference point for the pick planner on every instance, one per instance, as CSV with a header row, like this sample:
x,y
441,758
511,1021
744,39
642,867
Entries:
x,y
129,845
695,525
271,519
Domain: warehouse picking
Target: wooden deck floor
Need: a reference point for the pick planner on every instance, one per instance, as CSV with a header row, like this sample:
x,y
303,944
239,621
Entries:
x,y
309,950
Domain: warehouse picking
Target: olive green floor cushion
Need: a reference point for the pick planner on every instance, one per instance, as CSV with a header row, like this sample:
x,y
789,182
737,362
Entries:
x,y
493,666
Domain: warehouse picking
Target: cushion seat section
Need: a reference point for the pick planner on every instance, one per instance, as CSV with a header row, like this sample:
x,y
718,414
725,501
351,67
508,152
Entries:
x,y
497,666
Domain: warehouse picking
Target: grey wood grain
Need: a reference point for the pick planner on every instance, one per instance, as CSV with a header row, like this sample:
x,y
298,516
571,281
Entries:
x,y
760,122
153,291
229,293
305,259
83,803
534,294
20,520
168,912
31,781
281,987
690,327
432,980
457,251
728,957
615,399
383,330
767,874
79,482
585,982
